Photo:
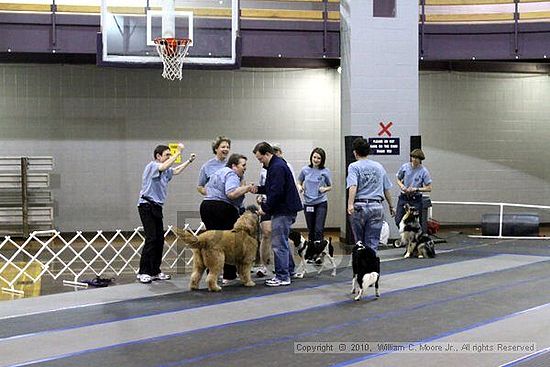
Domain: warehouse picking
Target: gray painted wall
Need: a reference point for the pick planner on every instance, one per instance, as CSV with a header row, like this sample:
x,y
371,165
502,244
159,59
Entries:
x,y
486,138
485,135
101,126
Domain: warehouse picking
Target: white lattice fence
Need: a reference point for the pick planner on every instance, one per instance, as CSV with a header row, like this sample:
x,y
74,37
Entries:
x,y
72,258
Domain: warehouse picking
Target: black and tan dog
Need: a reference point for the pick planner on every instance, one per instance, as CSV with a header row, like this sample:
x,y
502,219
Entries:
x,y
366,270
417,243
313,252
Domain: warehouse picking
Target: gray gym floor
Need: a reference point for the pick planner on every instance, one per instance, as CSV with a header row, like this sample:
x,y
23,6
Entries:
x,y
473,292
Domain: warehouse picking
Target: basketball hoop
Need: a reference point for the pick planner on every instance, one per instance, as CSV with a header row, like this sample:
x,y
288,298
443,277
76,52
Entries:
x,y
172,51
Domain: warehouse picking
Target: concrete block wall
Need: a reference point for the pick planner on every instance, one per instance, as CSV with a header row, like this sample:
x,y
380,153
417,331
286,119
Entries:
x,y
486,138
101,126
485,135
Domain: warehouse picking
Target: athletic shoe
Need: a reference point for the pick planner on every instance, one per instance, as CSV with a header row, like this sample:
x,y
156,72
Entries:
x,y
261,272
161,276
276,282
229,281
145,278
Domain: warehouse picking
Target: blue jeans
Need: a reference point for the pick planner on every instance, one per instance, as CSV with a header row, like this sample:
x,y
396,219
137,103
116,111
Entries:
x,y
315,220
366,223
280,229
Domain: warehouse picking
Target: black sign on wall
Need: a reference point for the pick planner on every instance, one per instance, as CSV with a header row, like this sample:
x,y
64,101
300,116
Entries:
x,y
384,146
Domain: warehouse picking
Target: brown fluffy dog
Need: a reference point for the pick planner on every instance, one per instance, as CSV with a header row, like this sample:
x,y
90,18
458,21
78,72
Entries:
x,y
211,249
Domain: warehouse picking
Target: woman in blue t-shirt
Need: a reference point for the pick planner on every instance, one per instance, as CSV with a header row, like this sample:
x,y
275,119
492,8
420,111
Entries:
x,y
314,182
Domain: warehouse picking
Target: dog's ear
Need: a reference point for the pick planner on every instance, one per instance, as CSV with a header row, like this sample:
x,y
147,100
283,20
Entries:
x,y
187,237
248,223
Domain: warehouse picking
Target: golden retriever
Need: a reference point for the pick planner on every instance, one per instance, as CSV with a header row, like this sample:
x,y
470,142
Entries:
x,y
211,249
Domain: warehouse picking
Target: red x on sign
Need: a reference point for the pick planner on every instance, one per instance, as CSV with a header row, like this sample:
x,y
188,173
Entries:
x,y
385,128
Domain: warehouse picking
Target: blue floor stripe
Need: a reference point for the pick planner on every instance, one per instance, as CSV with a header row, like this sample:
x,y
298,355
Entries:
x,y
355,322
294,288
527,358
443,335
312,332
237,299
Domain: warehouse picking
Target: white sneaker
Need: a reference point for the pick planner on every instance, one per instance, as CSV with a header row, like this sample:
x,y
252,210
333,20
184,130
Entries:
x,y
161,276
230,281
261,272
145,278
276,282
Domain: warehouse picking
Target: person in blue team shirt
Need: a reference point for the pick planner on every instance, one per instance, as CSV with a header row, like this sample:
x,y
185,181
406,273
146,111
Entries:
x,y
224,196
282,204
152,196
368,186
413,179
220,147
314,182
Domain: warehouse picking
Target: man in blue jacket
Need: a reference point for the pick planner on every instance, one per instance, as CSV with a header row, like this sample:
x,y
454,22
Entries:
x,y
282,204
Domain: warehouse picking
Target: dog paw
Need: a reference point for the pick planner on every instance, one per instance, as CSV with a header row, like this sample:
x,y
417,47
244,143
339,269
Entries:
x,y
333,273
406,255
357,298
377,293
216,289
249,284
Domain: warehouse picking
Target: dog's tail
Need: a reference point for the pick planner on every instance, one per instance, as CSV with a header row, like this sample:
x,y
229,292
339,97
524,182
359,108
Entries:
x,y
188,238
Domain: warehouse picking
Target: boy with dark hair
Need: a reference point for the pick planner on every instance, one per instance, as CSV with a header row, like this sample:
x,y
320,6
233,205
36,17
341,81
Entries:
x,y
152,196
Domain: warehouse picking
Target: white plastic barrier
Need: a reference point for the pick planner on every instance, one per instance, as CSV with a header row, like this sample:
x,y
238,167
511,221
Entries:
x,y
501,207
79,255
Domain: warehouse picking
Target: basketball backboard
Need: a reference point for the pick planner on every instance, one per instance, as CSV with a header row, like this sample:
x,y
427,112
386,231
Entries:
x,y
129,27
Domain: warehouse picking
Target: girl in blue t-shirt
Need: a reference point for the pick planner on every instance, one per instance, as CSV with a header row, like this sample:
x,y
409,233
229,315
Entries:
x,y
314,182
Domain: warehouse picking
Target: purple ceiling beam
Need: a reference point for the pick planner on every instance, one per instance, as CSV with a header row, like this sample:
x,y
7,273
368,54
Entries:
x,y
292,40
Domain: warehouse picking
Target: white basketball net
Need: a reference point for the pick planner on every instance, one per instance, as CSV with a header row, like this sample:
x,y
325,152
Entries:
x,y
172,51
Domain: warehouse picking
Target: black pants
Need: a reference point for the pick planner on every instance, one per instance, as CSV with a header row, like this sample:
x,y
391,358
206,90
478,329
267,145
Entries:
x,y
220,215
151,254
315,220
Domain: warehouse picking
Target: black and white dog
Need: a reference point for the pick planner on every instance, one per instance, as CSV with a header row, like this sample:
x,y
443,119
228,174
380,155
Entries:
x,y
418,244
312,252
366,270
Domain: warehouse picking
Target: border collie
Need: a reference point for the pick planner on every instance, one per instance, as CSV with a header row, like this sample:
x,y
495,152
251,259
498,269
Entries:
x,y
366,270
312,252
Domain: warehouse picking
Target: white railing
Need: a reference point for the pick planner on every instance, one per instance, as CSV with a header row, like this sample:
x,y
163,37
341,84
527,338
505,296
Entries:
x,y
79,255
501,215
